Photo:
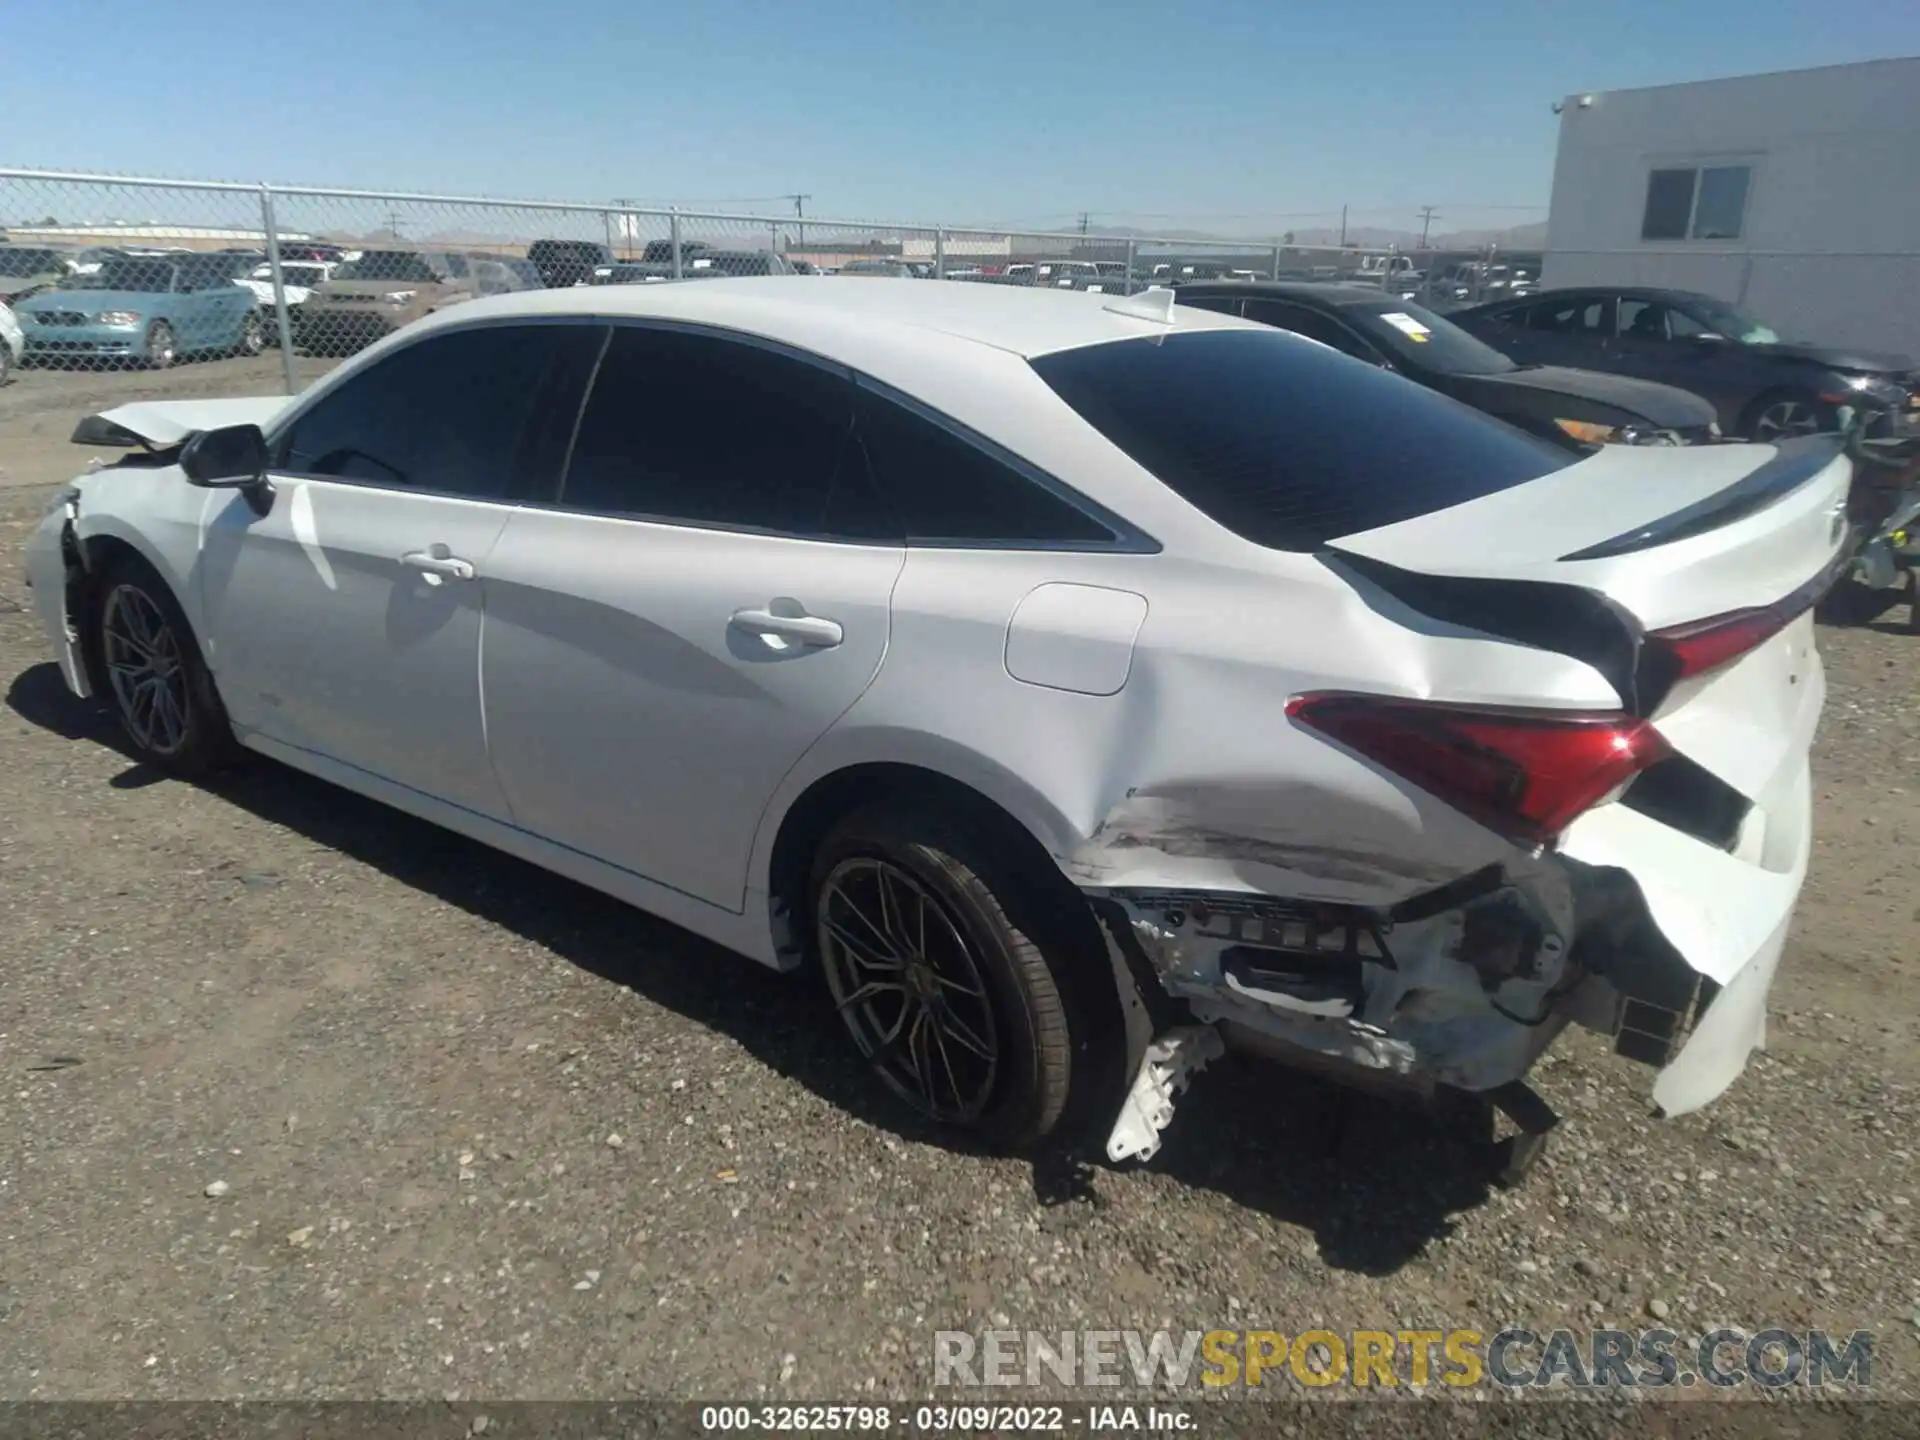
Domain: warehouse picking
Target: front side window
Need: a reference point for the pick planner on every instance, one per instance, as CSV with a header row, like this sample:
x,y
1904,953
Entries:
x,y
1581,315
701,430
1283,444
447,413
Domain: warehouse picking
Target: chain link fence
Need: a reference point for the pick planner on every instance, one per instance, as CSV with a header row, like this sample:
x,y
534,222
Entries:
x,y
278,283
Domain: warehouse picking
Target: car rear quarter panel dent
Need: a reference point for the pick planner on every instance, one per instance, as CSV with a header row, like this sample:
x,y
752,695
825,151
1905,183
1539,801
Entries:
x,y
1190,775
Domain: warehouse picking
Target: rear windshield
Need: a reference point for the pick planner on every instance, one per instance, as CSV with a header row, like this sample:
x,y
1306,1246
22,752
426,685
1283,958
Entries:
x,y
1285,442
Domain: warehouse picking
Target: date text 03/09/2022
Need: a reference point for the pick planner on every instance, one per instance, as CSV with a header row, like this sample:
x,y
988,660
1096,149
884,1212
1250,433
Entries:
x,y
963,1419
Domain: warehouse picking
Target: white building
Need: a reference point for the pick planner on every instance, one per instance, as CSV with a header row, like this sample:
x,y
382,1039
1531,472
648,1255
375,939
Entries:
x,y
1795,195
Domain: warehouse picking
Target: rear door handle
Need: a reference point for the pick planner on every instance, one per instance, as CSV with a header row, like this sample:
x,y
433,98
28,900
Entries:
x,y
801,629
437,564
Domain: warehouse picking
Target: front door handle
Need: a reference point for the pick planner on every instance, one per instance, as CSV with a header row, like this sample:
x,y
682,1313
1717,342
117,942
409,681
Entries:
x,y
437,564
809,630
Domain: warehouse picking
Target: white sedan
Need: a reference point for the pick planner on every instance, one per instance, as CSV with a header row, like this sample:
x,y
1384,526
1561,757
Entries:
x,y
1080,683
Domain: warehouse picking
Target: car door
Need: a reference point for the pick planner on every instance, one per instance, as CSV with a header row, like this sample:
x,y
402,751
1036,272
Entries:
x,y
345,620
1659,341
705,596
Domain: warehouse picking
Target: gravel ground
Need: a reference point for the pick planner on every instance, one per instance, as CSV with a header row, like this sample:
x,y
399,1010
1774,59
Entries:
x,y
311,1099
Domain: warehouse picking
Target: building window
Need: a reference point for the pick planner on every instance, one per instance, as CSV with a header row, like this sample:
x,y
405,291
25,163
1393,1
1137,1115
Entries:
x,y
1707,203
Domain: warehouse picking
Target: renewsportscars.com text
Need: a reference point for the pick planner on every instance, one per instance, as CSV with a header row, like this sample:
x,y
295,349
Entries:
x,y
1514,1357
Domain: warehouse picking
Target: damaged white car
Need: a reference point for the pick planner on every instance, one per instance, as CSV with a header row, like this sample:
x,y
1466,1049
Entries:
x,y
1080,683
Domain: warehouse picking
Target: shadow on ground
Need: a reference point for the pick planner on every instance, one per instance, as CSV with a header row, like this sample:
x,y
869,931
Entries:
x,y
1374,1182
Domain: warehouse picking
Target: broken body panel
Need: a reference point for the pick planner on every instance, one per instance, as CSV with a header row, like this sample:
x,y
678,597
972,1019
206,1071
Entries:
x,y
1348,920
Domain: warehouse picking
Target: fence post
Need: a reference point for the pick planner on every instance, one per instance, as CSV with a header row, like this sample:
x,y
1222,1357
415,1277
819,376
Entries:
x,y
271,230
773,235
606,224
1130,252
674,232
1276,262
939,253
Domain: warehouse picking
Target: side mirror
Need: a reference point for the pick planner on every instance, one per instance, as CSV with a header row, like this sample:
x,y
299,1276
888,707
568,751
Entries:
x,y
233,457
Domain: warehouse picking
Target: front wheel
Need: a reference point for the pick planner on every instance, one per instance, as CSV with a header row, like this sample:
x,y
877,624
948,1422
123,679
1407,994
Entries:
x,y
923,940
1778,417
161,348
253,335
156,680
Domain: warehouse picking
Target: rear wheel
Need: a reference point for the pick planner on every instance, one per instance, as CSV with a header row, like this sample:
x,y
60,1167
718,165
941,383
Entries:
x,y
925,942
161,348
6,362
156,680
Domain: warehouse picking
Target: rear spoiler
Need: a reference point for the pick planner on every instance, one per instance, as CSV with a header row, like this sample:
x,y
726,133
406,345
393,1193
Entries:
x,y
158,425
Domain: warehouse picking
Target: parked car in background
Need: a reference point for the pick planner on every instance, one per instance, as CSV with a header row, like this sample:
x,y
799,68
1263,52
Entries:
x,y
299,277
1764,387
1073,685
1062,273
1475,282
313,251
712,264
895,269
378,292
660,252
25,269
146,310
1397,272
630,272
1572,407
13,344
567,262
89,260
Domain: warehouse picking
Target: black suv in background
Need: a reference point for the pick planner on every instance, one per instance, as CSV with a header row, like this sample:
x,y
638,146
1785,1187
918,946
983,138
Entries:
x,y
566,262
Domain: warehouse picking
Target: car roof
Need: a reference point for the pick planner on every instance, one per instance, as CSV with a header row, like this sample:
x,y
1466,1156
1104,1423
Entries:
x,y
830,315
1624,292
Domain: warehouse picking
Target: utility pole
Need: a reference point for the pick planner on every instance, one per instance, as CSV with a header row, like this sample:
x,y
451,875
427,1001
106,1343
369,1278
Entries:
x,y
393,223
799,215
1343,227
1426,223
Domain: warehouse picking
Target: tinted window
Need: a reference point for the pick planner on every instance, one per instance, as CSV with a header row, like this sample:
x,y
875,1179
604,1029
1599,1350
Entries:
x,y
1313,325
1580,315
448,413
1669,205
949,489
1283,443
708,431
1219,304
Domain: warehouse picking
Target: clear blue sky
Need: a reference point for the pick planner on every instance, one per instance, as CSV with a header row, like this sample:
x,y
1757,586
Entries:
x,y
959,110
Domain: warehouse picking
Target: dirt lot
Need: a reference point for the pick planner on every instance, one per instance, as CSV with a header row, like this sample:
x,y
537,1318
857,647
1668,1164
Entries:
x,y
308,1098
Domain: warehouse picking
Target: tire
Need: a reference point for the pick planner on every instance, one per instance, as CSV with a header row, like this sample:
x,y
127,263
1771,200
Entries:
x,y
6,362
1785,415
991,1049
161,348
152,674
253,336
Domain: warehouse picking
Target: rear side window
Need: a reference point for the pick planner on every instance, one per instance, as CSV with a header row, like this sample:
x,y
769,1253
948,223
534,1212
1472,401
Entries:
x,y
1284,444
948,489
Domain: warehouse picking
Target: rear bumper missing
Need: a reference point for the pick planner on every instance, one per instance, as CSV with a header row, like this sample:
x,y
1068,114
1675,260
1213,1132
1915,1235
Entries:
x,y
1661,941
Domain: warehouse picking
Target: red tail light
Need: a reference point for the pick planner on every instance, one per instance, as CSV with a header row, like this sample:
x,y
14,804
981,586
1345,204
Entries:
x,y
1708,644
1526,773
